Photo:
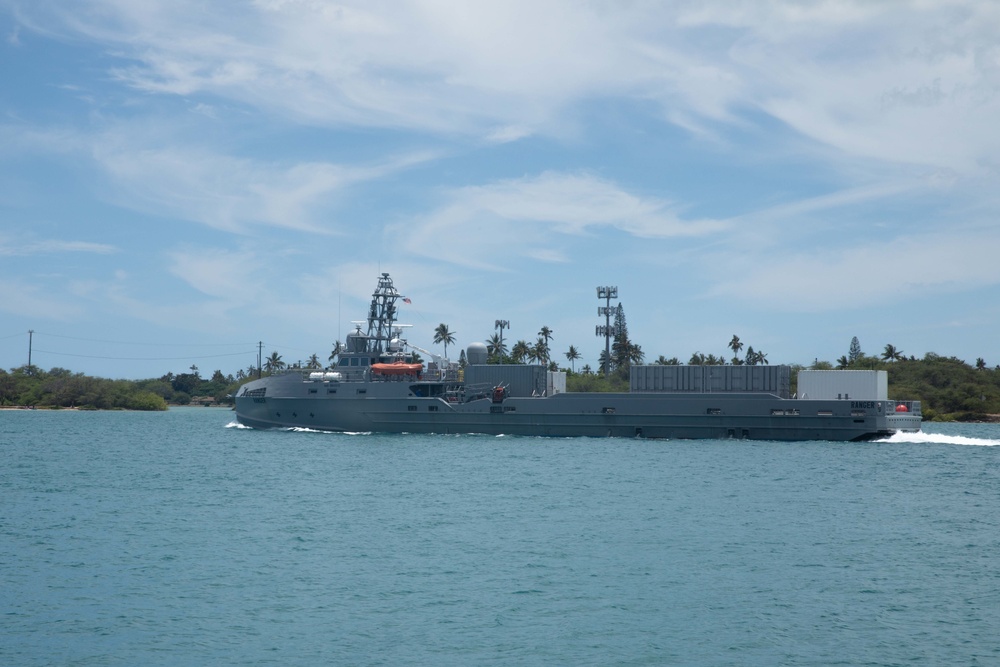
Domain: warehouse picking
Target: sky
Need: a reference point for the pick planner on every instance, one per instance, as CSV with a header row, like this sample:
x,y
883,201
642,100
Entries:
x,y
181,180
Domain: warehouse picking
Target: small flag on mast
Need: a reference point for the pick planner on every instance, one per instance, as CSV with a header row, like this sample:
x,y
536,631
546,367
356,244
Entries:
x,y
406,299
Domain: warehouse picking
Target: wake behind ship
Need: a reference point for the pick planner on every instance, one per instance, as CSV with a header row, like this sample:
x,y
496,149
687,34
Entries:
x,y
377,386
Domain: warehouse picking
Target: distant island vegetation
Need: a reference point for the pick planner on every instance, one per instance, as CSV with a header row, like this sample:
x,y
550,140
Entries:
x,y
29,386
949,388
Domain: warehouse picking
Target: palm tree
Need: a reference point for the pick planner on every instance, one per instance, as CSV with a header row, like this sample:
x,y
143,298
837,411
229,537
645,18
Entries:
x,y
572,354
520,351
697,359
442,335
843,362
313,362
735,345
273,363
496,347
604,362
635,354
532,355
891,353
980,364
546,333
540,352
338,347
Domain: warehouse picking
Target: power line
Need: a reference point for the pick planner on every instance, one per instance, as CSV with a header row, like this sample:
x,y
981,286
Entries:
x,y
120,342
91,356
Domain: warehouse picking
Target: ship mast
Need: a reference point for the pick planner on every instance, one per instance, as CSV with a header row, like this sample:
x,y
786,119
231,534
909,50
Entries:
x,y
381,315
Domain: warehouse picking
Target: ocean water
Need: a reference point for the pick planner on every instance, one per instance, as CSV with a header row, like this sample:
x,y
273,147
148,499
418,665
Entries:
x,y
179,539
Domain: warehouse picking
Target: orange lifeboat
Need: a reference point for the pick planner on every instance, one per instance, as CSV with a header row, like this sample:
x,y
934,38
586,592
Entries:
x,y
398,368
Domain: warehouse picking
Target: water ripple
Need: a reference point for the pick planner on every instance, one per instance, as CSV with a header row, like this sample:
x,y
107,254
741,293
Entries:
x,y
177,538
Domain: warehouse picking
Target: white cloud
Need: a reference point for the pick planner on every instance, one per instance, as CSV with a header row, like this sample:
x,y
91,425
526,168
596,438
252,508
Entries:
x,y
217,272
903,83
884,270
230,193
10,246
486,225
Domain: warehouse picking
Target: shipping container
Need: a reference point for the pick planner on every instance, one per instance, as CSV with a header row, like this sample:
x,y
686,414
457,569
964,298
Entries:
x,y
767,379
518,379
857,385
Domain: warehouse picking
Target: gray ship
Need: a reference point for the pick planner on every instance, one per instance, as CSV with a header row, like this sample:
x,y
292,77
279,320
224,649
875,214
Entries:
x,y
377,386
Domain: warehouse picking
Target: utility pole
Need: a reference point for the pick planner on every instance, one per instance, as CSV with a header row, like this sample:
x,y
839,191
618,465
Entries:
x,y
31,333
606,329
260,348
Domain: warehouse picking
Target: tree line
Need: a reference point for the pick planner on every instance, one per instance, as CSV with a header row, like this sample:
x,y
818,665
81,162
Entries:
x,y
62,388
948,387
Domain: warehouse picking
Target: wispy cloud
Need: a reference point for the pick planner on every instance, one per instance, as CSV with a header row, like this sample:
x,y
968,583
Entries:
x,y
12,246
232,193
532,213
24,299
842,73
905,84
217,272
787,155
887,270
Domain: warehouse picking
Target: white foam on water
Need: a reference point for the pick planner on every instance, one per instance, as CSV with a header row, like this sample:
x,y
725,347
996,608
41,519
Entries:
x,y
236,424
303,429
939,438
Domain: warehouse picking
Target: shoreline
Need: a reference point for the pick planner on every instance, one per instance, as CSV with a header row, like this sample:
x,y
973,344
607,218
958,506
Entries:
x,y
989,418
75,408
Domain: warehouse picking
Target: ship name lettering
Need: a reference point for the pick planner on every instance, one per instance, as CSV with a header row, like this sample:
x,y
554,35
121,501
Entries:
x,y
862,405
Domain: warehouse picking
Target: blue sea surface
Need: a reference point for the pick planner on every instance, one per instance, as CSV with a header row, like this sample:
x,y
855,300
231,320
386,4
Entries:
x,y
177,538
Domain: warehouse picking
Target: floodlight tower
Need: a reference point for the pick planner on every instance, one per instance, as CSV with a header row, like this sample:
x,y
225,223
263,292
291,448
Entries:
x,y
501,325
606,329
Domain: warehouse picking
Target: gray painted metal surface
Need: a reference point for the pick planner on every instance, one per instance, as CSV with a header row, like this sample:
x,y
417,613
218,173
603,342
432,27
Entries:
x,y
748,402
858,385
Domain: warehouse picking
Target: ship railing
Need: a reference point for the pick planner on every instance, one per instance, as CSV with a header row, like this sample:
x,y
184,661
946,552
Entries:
x,y
478,390
902,407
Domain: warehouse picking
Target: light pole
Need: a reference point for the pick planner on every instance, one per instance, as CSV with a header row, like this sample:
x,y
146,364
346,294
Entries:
x,y
31,333
606,329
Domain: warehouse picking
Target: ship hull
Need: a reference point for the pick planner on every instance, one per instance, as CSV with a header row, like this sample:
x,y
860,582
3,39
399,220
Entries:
x,y
377,387
752,416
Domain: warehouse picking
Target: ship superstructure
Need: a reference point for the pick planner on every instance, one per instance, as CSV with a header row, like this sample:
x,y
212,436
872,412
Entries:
x,y
378,386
